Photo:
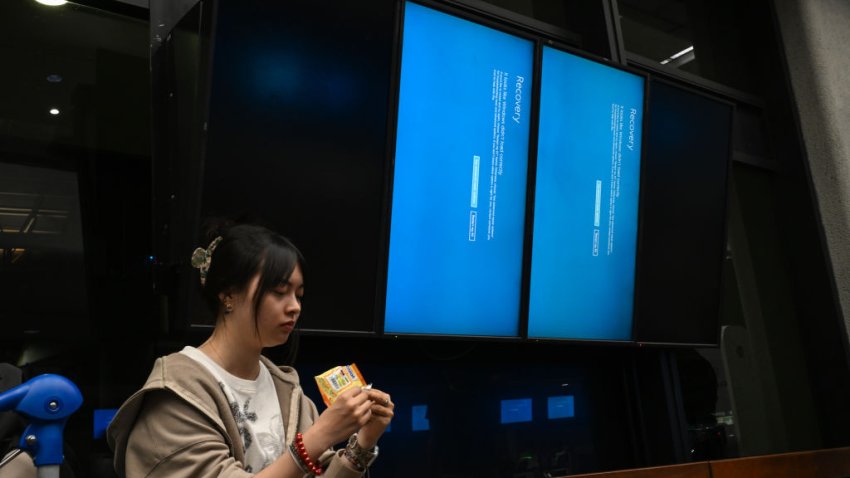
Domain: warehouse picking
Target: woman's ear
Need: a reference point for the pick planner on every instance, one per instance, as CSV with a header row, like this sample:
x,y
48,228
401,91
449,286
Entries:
x,y
226,301
225,297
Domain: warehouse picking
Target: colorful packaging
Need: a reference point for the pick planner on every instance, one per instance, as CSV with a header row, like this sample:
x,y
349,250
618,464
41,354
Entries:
x,y
337,380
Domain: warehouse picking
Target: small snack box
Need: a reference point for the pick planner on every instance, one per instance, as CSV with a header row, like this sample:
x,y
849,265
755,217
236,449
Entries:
x,y
337,380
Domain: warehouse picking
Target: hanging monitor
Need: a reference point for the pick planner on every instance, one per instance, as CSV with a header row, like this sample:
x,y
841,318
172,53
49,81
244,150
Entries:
x,y
586,200
459,180
683,237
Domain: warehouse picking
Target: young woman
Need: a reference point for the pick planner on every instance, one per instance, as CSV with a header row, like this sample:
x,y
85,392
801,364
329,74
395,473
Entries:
x,y
222,409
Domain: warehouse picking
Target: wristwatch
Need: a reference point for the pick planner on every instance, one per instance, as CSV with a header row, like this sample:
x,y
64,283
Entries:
x,y
359,457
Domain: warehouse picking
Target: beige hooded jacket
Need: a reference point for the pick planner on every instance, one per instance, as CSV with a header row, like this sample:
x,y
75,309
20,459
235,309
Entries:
x,y
179,425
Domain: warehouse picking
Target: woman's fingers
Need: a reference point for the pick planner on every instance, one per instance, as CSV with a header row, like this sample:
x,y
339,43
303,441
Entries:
x,y
380,397
353,398
363,412
359,405
381,411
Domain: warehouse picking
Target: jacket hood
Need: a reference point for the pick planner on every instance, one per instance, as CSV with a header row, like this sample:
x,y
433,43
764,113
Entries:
x,y
190,381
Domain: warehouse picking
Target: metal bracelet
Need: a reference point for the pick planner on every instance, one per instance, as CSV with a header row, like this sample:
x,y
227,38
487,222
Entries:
x,y
360,457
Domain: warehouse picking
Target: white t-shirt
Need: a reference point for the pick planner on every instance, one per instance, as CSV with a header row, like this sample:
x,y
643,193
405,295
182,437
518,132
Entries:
x,y
255,407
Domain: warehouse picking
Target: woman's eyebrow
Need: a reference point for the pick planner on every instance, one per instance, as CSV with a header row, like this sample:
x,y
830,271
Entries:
x,y
289,283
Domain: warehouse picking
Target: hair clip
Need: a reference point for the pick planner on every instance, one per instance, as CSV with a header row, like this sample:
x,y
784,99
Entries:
x,y
202,258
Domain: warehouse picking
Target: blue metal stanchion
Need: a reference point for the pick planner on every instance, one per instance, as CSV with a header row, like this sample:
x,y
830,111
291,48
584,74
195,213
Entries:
x,y
46,402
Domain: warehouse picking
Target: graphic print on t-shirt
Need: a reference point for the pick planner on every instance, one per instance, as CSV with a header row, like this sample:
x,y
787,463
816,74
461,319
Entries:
x,y
242,415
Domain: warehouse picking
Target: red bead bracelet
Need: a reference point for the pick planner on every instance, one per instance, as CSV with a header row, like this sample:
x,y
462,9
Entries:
x,y
305,458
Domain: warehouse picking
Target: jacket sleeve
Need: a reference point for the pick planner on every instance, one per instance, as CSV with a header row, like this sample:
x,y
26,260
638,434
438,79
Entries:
x,y
335,466
19,465
171,438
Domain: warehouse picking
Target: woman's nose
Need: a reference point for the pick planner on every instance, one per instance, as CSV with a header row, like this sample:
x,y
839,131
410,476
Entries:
x,y
293,306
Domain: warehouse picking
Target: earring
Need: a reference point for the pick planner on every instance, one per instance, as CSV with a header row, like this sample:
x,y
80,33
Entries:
x,y
228,308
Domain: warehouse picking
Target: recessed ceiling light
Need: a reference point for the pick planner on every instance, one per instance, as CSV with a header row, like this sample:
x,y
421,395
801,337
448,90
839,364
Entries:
x,y
52,3
54,78
54,111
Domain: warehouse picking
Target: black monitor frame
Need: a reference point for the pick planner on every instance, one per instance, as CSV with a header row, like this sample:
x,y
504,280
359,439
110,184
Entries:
x,y
638,321
532,186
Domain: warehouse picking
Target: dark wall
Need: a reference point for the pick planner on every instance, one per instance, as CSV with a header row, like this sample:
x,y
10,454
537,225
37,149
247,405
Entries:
x,y
297,136
682,241
462,383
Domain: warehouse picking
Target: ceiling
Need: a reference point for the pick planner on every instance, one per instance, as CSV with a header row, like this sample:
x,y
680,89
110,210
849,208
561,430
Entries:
x,y
91,66
58,57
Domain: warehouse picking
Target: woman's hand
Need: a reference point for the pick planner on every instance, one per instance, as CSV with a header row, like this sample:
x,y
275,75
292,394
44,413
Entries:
x,y
349,412
382,409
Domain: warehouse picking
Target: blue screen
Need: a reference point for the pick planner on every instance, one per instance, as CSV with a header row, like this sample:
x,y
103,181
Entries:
x,y
419,418
102,418
586,200
516,411
459,187
561,406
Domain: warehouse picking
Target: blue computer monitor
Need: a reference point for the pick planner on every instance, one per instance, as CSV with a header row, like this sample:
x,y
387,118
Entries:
x,y
560,406
516,410
586,200
459,179
419,418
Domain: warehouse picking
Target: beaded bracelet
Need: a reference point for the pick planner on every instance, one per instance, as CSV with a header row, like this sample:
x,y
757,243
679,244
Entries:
x,y
304,462
297,459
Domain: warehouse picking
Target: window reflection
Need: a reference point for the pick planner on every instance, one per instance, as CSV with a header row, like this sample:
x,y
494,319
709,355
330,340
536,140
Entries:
x,y
41,246
72,70
712,39
579,24
659,31
707,405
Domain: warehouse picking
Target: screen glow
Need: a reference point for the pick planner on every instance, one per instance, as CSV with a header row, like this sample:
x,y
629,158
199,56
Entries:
x,y
419,418
586,200
455,258
516,411
561,406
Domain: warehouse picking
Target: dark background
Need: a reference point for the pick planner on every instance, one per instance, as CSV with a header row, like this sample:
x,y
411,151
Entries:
x,y
163,122
683,216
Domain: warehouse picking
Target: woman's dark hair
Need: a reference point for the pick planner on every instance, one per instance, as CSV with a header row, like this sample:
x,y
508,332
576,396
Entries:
x,y
245,250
